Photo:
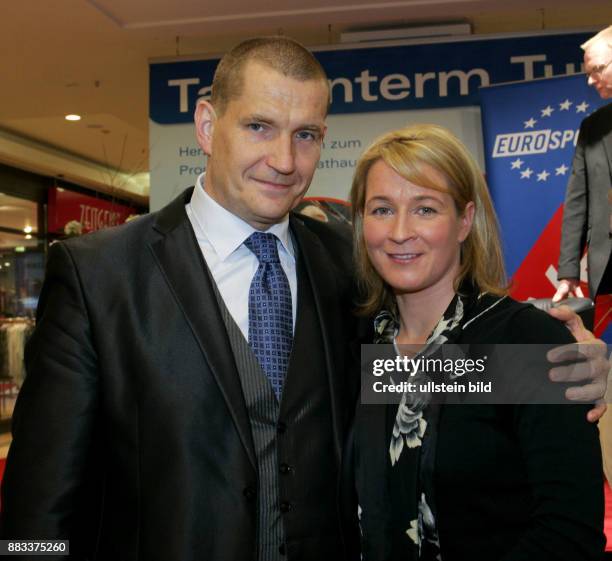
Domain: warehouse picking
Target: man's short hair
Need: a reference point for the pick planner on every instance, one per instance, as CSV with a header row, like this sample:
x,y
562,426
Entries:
x,y
604,35
282,54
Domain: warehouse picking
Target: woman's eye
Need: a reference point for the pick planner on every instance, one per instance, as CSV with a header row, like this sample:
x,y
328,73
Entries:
x,y
426,211
381,211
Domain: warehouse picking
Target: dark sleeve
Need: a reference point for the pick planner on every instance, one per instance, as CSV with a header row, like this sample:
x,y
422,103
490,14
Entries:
x,y
574,229
562,458
46,472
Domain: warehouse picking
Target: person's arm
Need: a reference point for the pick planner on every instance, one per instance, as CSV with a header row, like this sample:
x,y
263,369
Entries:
x,y
574,229
45,482
562,459
563,462
594,371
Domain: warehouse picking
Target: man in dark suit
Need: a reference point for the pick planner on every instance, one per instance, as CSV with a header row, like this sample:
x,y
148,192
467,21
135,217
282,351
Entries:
x,y
587,215
149,426
187,394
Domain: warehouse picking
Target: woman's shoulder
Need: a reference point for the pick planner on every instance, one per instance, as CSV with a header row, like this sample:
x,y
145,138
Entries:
x,y
501,319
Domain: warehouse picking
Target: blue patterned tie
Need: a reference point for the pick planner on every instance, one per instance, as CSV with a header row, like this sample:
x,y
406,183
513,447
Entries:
x,y
270,311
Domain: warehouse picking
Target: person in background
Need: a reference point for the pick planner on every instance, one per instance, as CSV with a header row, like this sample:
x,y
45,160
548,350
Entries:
x,y
587,214
457,482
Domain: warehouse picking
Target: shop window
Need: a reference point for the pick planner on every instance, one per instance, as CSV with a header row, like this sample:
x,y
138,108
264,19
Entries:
x,y
22,264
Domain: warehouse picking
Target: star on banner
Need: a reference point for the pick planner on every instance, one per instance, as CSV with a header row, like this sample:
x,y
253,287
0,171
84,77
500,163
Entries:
x,y
561,170
526,174
582,107
530,124
564,106
547,111
517,163
543,176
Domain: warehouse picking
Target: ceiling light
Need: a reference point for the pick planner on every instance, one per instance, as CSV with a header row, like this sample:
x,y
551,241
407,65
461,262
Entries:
x,y
72,117
19,249
28,236
407,33
27,229
7,264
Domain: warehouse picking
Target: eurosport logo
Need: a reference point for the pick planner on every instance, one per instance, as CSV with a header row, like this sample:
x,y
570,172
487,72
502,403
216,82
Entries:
x,y
547,129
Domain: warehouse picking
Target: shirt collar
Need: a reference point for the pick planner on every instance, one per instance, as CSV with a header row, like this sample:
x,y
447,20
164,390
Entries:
x,y
225,231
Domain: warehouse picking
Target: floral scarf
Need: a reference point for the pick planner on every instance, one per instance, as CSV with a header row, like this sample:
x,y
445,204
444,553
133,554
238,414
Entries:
x,y
412,427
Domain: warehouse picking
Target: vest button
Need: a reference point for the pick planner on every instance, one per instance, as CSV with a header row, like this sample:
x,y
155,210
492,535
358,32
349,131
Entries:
x,y
281,427
286,506
249,493
285,469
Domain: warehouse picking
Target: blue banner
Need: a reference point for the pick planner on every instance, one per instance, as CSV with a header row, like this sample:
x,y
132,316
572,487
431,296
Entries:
x,y
392,78
530,131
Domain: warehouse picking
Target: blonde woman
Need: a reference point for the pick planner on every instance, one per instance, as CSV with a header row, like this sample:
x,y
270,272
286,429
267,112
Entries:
x,y
507,482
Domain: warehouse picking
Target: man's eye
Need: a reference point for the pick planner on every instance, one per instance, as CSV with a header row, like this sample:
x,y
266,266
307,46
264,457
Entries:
x,y
306,135
255,127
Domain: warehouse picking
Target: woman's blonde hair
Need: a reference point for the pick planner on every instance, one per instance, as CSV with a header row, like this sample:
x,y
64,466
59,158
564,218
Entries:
x,y
409,152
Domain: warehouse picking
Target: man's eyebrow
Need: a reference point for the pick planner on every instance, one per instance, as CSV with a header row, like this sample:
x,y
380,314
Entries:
x,y
257,117
312,128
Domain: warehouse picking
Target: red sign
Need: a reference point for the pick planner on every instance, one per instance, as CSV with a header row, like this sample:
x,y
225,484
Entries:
x,y
71,213
537,275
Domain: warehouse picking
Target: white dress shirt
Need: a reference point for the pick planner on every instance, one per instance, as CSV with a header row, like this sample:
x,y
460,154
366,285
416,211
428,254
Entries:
x,y
221,237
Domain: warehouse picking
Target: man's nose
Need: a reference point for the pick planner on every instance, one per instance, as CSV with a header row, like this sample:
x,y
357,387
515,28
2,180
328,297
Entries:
x,y
281,156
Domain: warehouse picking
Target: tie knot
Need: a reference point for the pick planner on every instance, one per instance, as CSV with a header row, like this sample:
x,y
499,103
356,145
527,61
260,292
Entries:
x,y
263,246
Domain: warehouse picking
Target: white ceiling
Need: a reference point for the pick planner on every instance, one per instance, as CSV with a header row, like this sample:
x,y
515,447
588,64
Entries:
x,y
91,57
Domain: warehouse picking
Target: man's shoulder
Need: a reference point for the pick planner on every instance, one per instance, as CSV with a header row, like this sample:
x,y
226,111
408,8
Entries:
x,y
505,320
135,231
119,242
336,234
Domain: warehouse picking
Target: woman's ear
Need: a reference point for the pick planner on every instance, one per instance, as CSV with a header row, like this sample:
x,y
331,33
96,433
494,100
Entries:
x,y
204,118
467,219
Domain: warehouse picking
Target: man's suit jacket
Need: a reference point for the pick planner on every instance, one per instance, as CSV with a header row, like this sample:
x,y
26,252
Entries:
x,y
131,434
586,215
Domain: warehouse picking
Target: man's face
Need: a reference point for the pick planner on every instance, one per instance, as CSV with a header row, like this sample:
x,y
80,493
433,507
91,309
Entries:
x,y
263,150
598,64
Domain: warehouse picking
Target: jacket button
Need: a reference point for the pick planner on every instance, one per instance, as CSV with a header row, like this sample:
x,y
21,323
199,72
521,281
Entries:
x,y
282,549
285,506
285,469
281,427
249,493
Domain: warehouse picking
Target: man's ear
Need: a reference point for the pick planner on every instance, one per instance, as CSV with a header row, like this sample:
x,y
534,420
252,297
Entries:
x,y
323,133
204,118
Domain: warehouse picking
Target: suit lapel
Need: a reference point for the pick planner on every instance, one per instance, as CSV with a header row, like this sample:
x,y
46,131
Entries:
x,y
604,131
320,273
607,142
180,260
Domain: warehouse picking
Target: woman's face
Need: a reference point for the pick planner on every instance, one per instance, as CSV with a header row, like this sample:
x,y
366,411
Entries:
x,y
413,234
